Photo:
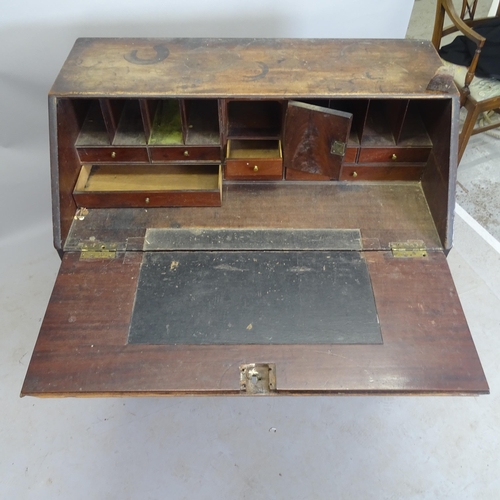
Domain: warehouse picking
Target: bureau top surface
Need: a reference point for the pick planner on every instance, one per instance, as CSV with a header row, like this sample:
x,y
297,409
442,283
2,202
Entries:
x,y
287,68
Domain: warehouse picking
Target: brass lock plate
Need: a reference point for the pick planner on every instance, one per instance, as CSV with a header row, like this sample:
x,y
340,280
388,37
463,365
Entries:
x,y
258,378
338,148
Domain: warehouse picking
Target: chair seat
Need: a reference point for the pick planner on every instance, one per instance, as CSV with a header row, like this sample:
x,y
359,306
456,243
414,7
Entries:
x,y
480,88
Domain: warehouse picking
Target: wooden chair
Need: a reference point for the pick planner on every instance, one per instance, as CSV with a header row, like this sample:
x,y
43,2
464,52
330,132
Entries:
x,y
479,96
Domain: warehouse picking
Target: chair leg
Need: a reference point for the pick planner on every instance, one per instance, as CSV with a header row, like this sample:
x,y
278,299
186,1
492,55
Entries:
x,y
468,127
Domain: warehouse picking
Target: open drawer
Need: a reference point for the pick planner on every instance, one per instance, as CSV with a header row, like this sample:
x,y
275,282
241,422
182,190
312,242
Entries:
x,y
254,160
108,186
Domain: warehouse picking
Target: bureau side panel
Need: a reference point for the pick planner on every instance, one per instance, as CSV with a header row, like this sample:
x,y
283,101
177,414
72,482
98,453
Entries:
x,y
439,178
65,165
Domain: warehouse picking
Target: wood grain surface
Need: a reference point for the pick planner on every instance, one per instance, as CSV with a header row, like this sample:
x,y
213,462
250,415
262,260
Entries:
x,y
246,68
82,348
310,135
384,212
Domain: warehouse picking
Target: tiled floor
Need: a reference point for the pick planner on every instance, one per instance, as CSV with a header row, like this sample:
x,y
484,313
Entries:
x,y
304,448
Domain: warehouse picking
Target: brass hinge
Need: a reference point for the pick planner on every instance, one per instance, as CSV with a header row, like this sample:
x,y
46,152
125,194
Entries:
x,y
98,250
258,378
408,249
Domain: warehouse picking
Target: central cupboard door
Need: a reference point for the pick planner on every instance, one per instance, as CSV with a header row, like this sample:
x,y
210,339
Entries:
x,y
315,139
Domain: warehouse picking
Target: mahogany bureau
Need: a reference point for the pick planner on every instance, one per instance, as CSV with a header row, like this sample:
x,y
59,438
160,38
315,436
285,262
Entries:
x,y
253,216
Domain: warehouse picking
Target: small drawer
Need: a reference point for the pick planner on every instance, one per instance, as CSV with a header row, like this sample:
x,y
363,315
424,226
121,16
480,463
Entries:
x,y
256,169
254,160
393,155
181,154
380,173
113,155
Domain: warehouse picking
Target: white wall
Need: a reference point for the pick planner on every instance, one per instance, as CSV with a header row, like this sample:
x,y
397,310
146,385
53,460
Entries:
x,y
35,38
323,18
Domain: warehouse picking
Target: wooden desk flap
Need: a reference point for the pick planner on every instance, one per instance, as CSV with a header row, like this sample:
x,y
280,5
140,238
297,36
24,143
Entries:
x,y
82,349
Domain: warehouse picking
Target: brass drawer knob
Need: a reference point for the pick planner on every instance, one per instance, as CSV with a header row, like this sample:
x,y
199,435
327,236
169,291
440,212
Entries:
x,y
255,168
113,154
394,157
146,200
354,174
186,153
